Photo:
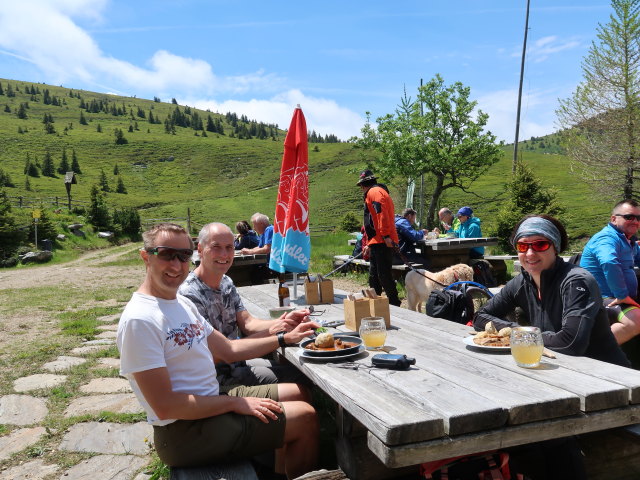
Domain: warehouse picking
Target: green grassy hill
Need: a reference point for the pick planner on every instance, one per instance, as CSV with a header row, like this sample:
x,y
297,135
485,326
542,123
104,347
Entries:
x,y
220,177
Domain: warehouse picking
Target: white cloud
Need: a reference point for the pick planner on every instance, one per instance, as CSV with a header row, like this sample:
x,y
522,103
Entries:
x,y
537,116
541,49
323,116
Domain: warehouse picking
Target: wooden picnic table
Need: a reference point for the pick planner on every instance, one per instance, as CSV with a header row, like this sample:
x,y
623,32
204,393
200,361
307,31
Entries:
x,y
457,399
443,252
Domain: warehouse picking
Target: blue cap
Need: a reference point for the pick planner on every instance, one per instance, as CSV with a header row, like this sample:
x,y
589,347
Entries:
x,y
466,211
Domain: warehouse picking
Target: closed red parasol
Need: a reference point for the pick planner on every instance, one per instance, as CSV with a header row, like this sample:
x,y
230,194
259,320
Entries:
x,y
291,246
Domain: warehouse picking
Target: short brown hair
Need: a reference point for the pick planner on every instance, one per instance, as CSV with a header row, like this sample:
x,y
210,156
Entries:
x,y
149,237
243,227
409,211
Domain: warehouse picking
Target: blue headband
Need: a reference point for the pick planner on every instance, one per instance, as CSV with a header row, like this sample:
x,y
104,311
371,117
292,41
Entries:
x,y
538,226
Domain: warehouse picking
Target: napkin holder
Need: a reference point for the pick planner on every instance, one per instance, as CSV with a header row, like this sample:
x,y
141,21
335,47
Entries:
x,y
356,310
318,291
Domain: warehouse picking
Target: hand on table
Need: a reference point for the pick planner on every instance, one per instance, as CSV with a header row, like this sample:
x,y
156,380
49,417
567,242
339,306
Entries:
x,y
300,332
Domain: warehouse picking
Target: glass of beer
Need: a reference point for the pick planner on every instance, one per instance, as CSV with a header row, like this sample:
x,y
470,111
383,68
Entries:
x,y
373,332
526,346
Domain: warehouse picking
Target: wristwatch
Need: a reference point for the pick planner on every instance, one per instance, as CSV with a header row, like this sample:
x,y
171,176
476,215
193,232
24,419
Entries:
x,y
281,341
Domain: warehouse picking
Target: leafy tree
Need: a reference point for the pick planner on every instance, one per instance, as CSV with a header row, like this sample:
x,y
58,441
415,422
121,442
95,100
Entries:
x,y
104,184
10,235
121,188
120,139
75,165
48,170
98,214
445,143
64,163
602,118
526,195
128,221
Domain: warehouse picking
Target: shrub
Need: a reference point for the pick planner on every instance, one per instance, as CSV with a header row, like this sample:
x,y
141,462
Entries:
x,y
350,222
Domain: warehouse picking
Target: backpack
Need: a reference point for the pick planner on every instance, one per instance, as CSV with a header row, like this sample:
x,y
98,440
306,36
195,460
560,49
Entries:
x,y
483,272
458,302
489,465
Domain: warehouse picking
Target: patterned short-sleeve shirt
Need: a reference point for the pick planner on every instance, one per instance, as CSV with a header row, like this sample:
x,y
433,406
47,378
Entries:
x,y
218,306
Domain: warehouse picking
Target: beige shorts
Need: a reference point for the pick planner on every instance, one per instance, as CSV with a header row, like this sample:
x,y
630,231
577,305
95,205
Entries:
x,y
229,437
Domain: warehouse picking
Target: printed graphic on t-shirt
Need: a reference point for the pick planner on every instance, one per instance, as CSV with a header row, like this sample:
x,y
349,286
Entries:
x,y
186,334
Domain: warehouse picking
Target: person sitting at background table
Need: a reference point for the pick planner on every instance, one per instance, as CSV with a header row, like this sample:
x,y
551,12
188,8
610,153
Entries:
x,y
409,236
218,301
469,228
246,238
262,226
448,221
560,298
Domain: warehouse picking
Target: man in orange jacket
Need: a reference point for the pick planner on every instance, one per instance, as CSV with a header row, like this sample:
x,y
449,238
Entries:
x,y
379,216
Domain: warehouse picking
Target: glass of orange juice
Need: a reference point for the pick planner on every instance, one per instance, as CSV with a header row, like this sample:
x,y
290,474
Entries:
x,y
526,346
373,332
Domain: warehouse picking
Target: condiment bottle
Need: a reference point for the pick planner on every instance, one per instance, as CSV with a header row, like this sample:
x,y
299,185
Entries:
x,y
283,293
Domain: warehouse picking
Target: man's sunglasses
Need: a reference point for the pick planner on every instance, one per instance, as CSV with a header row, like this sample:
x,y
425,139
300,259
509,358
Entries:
x,y
628,216
168,254
537,246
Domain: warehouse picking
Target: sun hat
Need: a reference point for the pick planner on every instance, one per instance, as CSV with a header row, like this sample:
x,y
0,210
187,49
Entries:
x,y
366,176
466,211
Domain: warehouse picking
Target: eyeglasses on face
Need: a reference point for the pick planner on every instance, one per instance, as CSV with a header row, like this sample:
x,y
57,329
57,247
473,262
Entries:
x,y
169,254
628,216
537,246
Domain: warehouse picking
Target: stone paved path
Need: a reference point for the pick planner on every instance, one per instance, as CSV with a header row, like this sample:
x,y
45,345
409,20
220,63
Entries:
x,y
121,450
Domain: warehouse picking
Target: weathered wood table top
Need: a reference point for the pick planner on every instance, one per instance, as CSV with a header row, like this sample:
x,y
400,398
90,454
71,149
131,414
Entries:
x,y
457,243
457,399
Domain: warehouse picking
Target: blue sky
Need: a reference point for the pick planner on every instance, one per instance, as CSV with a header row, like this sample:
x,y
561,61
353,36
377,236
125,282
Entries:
x,y
338,60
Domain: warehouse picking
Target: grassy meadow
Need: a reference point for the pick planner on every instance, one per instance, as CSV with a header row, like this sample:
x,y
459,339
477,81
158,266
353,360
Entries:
x,y
221,178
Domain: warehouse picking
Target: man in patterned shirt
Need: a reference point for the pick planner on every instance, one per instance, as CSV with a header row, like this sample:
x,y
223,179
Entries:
x,y
218,301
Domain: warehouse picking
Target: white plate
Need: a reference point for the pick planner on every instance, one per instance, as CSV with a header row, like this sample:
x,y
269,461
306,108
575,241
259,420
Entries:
x,y
469,341
331,358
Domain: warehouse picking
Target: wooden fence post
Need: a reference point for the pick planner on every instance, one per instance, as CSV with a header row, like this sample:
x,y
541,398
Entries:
x,y
189,220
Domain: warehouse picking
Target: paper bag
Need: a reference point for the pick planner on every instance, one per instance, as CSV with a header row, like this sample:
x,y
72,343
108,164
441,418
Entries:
x,y
318,292
356,310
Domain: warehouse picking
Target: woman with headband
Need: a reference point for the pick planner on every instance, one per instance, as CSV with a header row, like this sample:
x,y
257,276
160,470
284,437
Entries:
x,y
560,298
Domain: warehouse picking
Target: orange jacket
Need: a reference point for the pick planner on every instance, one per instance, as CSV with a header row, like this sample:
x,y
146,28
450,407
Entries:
x,y
379,216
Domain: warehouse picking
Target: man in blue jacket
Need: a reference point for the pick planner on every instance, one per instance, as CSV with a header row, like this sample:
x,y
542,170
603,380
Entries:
x,y
409,235
470,228
610,256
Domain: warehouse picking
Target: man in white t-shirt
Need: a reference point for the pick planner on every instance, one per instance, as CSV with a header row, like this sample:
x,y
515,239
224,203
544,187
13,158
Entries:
x,y
167,352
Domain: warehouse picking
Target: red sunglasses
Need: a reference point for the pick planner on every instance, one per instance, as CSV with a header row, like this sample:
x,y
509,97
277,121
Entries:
x,y
537,246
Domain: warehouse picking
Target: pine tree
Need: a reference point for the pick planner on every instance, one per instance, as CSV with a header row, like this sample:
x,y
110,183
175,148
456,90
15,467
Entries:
x,y
121,188
32,170
7,109
75,166
151,120
22,112
116,170
27,184
98,214
48,170
104,184
10,92
99,128
1,90
120,139
83,120
64,163
10,235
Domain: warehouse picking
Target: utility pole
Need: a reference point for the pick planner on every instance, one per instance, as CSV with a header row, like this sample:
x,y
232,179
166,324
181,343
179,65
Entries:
x,y
524,51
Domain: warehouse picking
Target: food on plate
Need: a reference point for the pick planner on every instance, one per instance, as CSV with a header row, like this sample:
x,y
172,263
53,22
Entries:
x,y
490,337
324,340
328,343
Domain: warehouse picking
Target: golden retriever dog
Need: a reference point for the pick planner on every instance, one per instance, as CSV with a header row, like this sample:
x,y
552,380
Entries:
x,y
418,287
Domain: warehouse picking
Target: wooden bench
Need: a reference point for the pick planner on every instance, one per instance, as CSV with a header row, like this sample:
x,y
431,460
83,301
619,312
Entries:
x,y
359,265
241,470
